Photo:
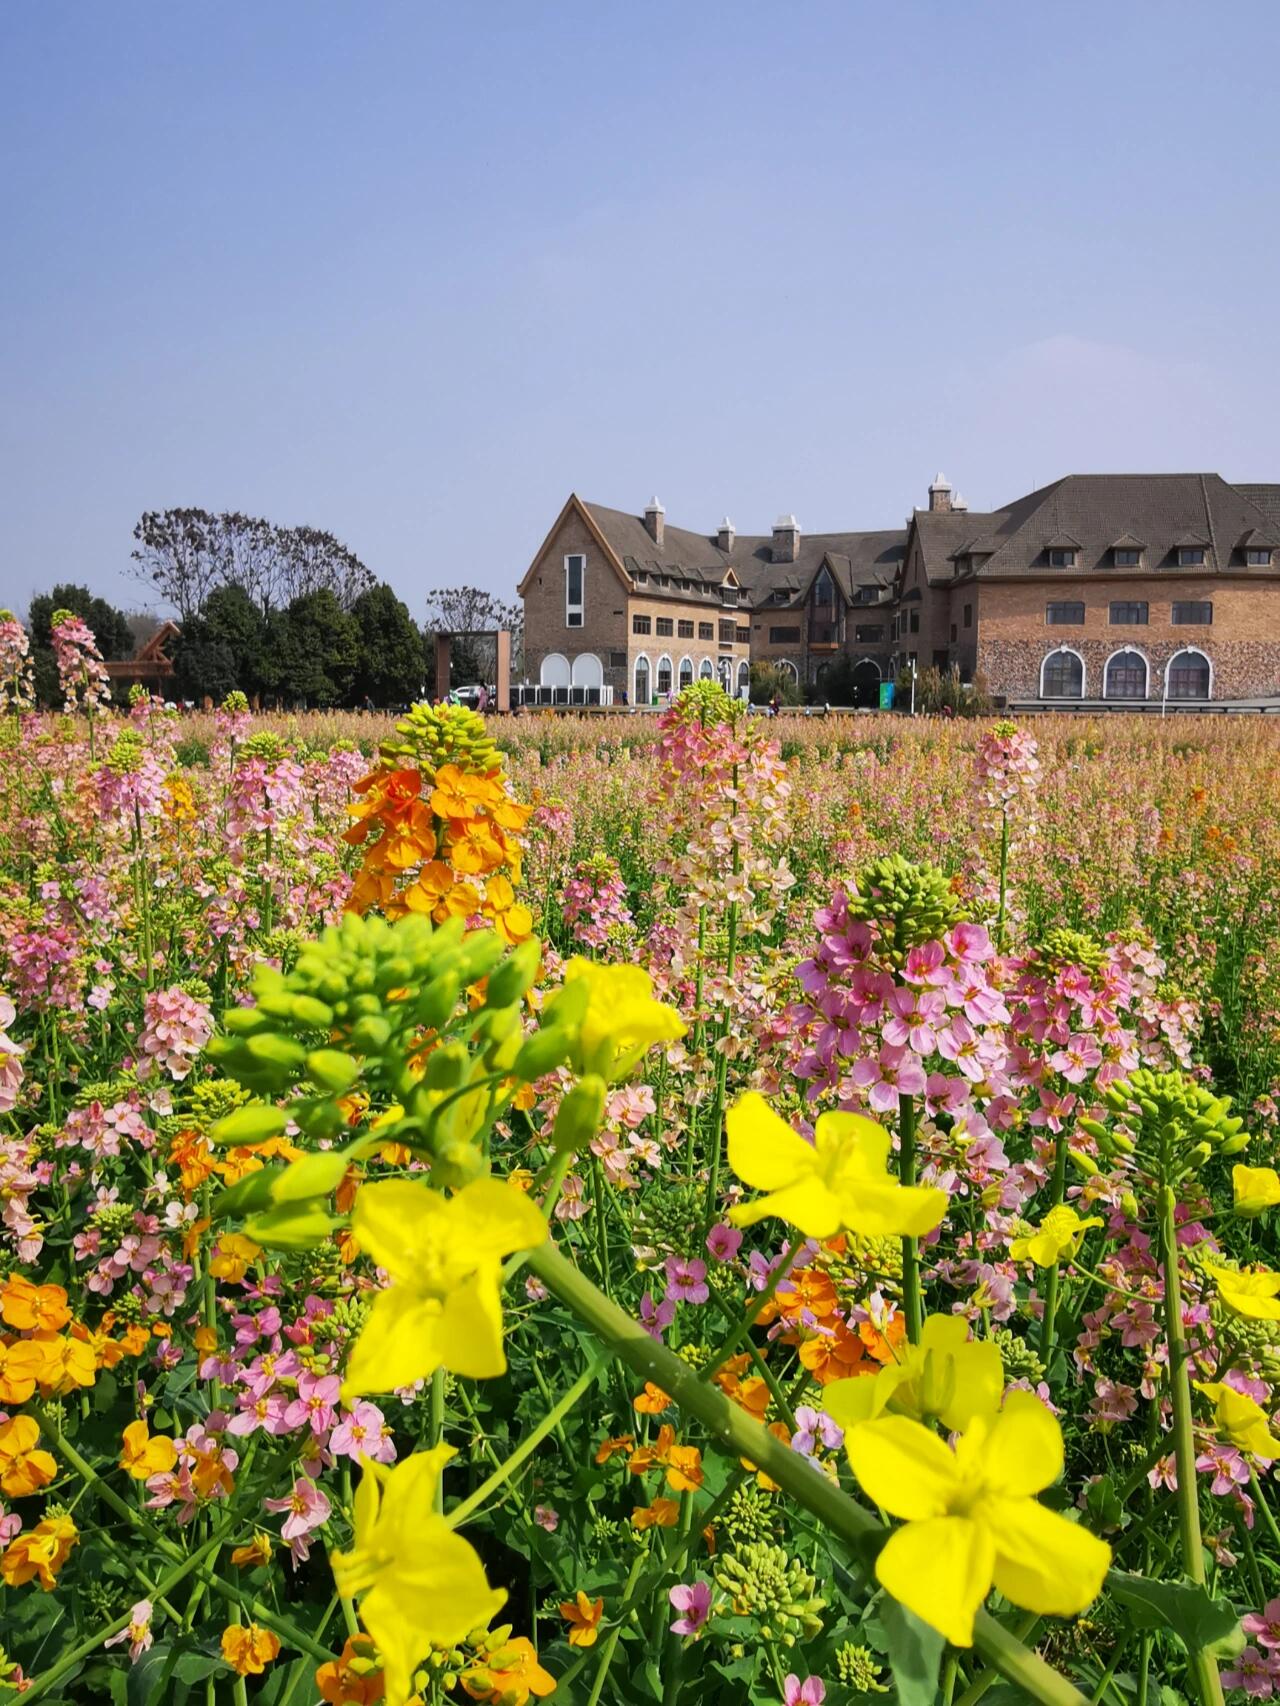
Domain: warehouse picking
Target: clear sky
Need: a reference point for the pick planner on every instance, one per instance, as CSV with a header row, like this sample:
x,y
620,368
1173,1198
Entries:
x,y
413,272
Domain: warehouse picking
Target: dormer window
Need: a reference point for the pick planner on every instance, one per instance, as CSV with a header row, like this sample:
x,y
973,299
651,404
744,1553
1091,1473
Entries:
x,y
1060,558
1190,556
1258,558
824,588
1126,557
575,576
779,595
728,595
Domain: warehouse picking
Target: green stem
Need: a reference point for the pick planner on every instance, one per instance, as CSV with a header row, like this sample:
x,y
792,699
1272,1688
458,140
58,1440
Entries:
x,y
741,1435
65,1665
435,1426
1004,877
1049,1320
1204,1667
611,1639
911,1304
718,1358
530,1443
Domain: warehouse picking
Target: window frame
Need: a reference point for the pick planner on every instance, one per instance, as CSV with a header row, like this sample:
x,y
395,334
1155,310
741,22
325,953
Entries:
x,y
1143,621
1122,652
658,689
1060,604
1060,558
1191,556
576,608
706,630
1189,698
1185,604
664,633
642,658
684,628
1126,557
637,619
1256,558
1064,652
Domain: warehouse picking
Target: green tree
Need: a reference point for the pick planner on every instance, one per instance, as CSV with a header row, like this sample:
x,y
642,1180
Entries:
x,y
110,628
223,647
769,682
389,665
316,649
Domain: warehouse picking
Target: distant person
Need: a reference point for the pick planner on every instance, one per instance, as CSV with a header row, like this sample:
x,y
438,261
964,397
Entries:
x,y
774,706
482,699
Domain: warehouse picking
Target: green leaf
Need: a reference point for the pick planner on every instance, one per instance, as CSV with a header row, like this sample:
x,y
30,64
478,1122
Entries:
x,y
913,1649
1201,1623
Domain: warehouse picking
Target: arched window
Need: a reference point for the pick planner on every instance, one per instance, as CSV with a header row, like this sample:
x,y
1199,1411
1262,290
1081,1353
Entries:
x,y
744,676
824,588
1189,675
643,692
686,673
555,670
1062,675
664,676
792,671
588,671
706,670
1126,675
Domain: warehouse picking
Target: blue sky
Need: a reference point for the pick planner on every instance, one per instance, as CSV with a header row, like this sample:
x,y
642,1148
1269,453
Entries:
x,y
413,272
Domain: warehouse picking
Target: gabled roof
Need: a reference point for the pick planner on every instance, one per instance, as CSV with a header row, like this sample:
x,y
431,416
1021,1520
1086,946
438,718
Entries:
x,y
1160,513
1128,542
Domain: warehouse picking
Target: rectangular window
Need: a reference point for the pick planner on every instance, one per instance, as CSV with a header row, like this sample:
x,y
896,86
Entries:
x,y
742,636
1062,559
784,636
641,577
1190,556
866,595
1258,559
1065,615
968,616
642,624
575,574
915,621
617,660
780,595
869,634
728,595
665,625
706,630
1129,615
1197,613
684,630
1126,558
953,633
727,631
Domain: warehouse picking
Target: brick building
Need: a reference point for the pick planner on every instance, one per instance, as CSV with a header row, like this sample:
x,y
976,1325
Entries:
x,y
1097,587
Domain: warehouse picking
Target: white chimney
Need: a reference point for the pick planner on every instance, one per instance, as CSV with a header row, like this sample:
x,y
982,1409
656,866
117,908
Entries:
x,y
724,537
940,494
654,520
786,539
959,503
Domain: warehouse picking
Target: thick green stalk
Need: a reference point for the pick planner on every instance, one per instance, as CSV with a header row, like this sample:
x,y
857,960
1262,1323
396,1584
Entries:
x,y
911,1304
1204,1667
1004,877
435,1426
1049,1320
742,1436
611,1639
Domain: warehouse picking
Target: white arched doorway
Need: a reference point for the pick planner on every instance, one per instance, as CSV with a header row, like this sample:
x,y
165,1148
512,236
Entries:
x,y
1189,675
744,679
1062,675
706,670
588,671
556,671
643,681
1126,674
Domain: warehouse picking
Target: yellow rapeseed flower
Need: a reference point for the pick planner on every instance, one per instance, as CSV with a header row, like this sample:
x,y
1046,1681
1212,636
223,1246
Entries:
x,y
249,1648
1059,1234
143,1454
970,1519
1240,1421
1255,1189
948,1377
39,1553
839,1182
443,1307
583,1617
623,1020
24,1467
1255,1293
422,1584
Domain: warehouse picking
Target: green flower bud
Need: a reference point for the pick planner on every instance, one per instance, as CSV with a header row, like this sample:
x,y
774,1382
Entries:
x,y
254,1124
512,979
579,1116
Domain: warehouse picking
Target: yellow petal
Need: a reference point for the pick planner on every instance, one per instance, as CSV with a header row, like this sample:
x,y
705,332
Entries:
x,y
807,1205
439,1601
904,1468
1021,1449
849,1403
887,1209
1254,1188
941,1570
865,1141
469,1331
394,1220
1043,1562
491,1218
763,1150
398,1344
